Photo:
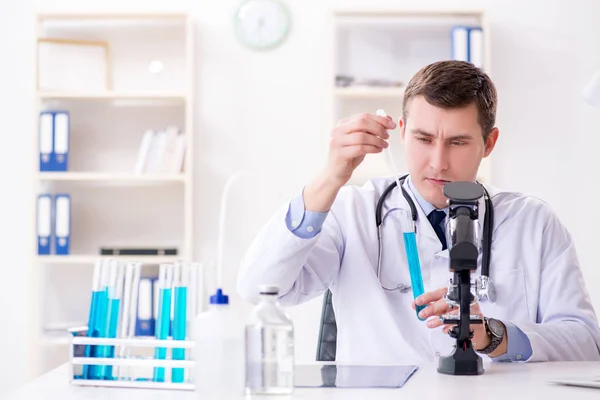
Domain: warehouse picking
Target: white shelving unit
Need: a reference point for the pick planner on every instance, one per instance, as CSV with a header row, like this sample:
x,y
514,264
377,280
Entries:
x,y
111,95
381,49
108,177
368,93
90,259
148,83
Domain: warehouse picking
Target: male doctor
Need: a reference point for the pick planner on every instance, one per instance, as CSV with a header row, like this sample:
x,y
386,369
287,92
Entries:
x,y
326,238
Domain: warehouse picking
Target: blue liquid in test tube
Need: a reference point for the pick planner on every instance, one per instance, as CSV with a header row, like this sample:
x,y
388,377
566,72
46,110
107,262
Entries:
x,y
163,321
113,321
412,256
181,286
94,309
115,294
100,321
414,267
179,325
108,319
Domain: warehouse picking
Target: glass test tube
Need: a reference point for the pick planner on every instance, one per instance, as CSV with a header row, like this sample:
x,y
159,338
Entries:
x,y
115,295
181,285
130,295
94,305
163,319
412,255
130,298
100,321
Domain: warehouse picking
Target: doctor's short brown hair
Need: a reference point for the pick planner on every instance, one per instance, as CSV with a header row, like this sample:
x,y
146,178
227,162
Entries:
x,y
455,84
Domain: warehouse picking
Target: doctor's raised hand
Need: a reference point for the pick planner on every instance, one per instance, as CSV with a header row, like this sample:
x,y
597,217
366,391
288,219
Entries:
x,y
351,140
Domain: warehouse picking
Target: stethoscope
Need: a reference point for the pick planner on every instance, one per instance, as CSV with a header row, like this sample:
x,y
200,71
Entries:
x,y
484,288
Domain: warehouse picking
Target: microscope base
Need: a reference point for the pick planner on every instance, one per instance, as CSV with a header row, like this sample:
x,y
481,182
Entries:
x,y
461,362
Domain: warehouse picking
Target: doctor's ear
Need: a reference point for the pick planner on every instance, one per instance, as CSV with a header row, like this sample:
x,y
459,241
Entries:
x,y
490,142
402,127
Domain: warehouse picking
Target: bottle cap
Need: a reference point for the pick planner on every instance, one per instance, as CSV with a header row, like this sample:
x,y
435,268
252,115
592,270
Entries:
x,y
219,298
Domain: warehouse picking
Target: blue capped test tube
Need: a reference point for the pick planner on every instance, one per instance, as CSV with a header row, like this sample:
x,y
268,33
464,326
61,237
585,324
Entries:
x,y
163,319
412,256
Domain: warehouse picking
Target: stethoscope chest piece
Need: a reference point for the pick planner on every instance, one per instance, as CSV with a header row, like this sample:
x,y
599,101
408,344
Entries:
x,y
486,291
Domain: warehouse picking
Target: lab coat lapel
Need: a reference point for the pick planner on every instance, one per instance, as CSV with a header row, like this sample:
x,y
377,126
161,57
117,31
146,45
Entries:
x,y
481,219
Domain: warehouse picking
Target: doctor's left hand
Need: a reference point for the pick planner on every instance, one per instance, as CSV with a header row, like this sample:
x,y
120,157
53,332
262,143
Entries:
x,y
437,306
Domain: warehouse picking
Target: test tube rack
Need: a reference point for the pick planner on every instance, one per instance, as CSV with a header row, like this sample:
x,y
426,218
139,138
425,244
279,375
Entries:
x,y
131,366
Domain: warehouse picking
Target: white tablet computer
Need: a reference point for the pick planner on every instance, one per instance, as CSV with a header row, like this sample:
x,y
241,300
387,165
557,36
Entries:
x,y
585,381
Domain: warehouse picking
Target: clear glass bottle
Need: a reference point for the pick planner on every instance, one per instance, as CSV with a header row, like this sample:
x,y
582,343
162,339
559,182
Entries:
x,y
269,347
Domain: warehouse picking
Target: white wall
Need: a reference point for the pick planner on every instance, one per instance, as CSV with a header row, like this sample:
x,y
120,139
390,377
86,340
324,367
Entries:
x,y
269,112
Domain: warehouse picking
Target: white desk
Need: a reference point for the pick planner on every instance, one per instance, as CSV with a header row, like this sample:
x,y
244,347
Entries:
x,y
500,381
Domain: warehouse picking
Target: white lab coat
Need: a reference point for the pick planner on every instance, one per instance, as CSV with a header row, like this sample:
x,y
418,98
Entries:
x,y
534,267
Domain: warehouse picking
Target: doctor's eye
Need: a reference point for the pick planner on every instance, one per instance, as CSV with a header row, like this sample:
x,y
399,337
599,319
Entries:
x,y
459,142
424,139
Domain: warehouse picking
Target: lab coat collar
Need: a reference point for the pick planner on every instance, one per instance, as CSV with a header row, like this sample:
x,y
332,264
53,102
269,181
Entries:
x,y
424,228
425,205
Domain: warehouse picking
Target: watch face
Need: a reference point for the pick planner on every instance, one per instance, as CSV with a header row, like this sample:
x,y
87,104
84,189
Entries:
x,y
262,24
496,327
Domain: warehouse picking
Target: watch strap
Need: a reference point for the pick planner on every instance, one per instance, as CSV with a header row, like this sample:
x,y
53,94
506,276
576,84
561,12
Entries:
x,y
495,342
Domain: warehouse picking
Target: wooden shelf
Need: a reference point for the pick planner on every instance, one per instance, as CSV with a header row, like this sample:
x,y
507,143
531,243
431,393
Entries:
x,y
362,92
111,177
128,95
91,259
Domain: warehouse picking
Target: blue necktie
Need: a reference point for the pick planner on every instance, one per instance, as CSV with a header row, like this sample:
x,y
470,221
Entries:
x,y
436,217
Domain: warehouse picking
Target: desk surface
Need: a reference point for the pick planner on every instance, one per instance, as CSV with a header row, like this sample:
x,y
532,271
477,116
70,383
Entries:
x,y
500,381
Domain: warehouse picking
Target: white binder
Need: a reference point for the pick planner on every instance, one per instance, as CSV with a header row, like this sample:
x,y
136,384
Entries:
x,y
46,140
61,141
62,226
460,43
44,223
476,47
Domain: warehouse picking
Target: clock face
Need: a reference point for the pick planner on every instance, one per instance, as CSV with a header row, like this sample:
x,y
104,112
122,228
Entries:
x,y
262,24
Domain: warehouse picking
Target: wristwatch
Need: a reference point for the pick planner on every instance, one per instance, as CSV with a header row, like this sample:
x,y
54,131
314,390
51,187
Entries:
x,y
496,330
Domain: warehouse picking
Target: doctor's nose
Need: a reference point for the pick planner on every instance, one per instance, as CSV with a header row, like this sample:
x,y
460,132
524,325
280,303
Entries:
x,y
438,160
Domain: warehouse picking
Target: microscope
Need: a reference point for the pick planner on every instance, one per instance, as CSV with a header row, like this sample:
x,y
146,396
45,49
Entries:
x,y
463,202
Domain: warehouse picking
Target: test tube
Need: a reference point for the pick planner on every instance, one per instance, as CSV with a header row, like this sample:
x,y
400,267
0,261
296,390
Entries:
x,y
94,304
163,320
115,295
100,321
412,256
181,285
130,300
